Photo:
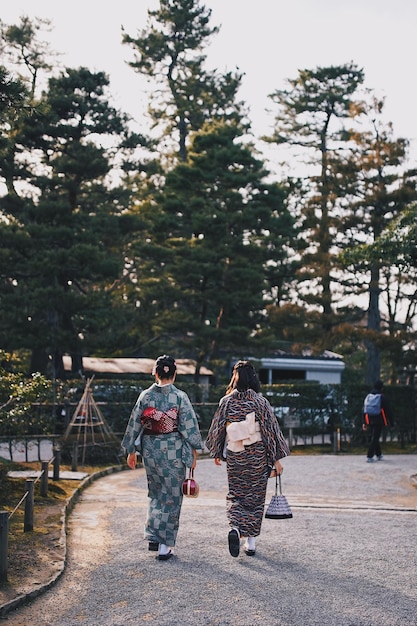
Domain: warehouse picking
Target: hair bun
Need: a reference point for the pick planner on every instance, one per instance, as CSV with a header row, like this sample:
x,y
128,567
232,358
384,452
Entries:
x,y
165,366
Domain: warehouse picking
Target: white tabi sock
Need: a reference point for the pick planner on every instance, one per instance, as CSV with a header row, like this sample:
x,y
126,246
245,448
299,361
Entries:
x,y
250,542
163,549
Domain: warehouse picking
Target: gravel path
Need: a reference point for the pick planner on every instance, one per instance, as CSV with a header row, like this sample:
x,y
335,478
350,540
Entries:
x,y
347,557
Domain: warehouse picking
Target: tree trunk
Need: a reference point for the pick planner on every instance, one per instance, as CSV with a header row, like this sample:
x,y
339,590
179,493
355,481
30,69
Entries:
x,y
59,366
373,362
76,363
39,361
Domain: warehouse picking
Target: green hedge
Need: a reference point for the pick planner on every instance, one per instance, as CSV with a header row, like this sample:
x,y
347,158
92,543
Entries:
x,y
322,408
319,408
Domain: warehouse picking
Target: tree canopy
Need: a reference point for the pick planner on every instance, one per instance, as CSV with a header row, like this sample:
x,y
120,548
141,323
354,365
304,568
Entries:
x,y
180,237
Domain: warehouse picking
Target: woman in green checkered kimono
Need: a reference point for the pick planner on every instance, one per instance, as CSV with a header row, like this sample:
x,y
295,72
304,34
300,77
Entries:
x,y
164,429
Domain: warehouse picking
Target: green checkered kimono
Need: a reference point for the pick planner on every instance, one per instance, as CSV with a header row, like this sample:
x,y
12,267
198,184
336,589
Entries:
x,y
165,458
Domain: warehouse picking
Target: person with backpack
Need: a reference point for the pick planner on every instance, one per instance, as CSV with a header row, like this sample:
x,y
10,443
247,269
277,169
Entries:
x,y
376,415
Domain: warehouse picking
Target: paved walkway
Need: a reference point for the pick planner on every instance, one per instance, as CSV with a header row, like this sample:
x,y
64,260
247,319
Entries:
x,y
347,557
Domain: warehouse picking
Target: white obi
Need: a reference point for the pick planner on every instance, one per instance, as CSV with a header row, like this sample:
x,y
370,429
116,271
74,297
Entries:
x,y
241,434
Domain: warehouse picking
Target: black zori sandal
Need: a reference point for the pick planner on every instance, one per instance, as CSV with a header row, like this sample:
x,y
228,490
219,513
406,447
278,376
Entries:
x,y
234,542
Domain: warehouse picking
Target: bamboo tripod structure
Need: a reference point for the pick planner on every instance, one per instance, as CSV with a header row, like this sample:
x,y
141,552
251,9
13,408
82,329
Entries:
x,y
88,424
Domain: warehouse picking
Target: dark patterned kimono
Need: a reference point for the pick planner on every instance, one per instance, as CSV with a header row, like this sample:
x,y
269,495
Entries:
x,y
247,471
165,456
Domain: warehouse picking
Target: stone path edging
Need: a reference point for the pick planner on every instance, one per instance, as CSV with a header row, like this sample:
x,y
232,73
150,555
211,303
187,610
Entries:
x,y
68,507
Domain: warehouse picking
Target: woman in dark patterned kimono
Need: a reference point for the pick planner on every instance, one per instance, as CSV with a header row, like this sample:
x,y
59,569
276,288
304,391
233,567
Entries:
x,y
164,429
245,430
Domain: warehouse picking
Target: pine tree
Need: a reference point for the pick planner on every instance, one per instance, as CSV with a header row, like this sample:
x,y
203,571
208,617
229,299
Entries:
x,y
64,231
313,118
379,187
216,232
185,94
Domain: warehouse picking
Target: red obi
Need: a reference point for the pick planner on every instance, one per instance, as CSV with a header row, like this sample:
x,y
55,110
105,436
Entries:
x,y
157,422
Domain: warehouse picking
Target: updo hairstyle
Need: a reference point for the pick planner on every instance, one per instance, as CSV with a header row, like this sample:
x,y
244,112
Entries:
x,y
165,367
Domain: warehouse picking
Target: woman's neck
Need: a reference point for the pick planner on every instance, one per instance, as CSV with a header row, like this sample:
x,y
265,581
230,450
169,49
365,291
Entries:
x,y
164,382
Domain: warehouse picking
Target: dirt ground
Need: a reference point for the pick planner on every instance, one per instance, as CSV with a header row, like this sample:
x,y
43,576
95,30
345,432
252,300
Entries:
x,y
36,557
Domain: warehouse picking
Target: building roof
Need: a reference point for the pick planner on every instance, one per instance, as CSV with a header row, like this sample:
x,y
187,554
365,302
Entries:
x,y
126,365
300,362
326,355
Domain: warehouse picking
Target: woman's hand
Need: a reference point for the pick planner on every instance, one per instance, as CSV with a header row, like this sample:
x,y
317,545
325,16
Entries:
x,y
277,469
131,460
218,461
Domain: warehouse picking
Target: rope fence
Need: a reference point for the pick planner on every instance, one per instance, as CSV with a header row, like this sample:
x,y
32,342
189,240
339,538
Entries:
x,y
29,499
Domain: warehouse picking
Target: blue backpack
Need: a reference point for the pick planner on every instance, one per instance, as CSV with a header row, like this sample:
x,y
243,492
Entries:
x,y
372,404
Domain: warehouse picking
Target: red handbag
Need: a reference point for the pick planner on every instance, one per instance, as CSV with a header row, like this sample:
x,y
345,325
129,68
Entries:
x,y
190,486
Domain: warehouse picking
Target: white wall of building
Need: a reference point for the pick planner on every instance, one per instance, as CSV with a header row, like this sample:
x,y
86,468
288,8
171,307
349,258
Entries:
x,y
324,371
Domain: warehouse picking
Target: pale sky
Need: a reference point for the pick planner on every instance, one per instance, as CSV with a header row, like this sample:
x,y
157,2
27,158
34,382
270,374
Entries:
x,y
269,40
